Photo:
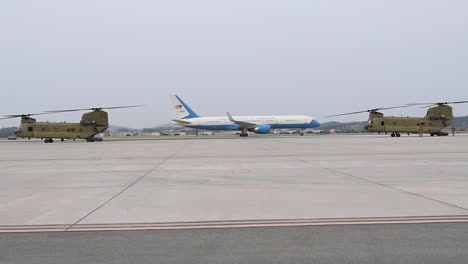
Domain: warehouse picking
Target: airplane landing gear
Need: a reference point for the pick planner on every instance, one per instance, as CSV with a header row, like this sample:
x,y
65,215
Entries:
x,y
244,133
302,132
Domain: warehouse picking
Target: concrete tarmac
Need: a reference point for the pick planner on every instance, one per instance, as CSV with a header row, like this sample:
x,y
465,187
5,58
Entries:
x,y
308,177
75,184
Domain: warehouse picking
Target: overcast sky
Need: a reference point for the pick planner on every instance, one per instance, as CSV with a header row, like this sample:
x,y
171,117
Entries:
x,y
249,57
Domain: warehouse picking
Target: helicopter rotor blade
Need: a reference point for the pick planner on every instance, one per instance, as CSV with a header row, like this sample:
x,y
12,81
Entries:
x,y
21,115
438,103
414,104
458,102
92,109
351,113
118,107
392,107
370,110
68,110
8,117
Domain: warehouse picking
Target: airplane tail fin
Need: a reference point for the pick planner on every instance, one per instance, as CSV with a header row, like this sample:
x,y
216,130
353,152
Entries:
x,y
183,111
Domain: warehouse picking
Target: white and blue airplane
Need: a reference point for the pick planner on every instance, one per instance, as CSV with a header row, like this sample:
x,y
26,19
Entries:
x,y
257,124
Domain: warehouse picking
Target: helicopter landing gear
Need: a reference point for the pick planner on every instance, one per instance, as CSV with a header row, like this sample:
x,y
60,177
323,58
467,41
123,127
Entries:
x,y
89,140
48,140
395,134
61,139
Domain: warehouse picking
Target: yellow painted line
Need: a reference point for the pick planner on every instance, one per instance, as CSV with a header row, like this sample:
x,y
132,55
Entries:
x,y
230,224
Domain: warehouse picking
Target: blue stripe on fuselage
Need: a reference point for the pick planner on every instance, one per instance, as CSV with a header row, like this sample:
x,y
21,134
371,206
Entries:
x,y
274,126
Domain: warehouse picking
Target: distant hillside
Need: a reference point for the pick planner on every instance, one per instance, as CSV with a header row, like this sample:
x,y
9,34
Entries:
x,y
122,129
161,128
7,131
461,122
350,127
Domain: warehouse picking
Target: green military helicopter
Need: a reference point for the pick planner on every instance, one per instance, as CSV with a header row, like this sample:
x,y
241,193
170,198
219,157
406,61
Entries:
x,y
439,115
91,124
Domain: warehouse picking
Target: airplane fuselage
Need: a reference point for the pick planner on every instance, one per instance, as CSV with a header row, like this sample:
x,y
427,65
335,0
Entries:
x,y
223,123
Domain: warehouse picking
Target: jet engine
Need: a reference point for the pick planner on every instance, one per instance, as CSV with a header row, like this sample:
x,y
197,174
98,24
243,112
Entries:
x,y
262,129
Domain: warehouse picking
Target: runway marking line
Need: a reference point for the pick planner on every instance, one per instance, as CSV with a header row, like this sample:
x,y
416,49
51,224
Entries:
x,y
232,224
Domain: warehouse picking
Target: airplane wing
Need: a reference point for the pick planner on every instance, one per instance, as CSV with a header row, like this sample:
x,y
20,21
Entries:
x,y
241,124
182,122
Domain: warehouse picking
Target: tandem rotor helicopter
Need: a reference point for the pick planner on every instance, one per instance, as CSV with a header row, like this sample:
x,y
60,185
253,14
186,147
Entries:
x,y
439,115
91,124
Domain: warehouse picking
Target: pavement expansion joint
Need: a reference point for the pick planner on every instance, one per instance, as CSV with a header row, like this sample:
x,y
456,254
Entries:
x,y
126,188
386,186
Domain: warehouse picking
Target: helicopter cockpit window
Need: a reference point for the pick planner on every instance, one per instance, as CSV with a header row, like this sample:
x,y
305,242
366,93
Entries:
x,y
371,122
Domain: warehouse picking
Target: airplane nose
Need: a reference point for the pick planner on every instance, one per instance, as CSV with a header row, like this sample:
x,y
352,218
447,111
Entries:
x,y
314,123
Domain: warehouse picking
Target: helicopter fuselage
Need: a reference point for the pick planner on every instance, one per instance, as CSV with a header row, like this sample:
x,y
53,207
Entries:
x,y
435,120
412,125
91,124
58,130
